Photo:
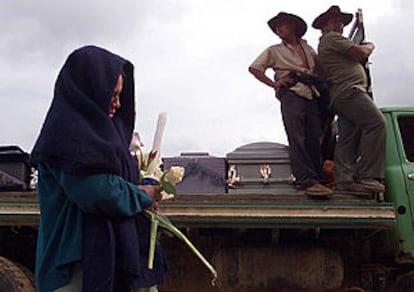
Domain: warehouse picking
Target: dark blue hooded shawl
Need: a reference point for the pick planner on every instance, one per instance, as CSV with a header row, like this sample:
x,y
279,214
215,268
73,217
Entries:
x,y
79,138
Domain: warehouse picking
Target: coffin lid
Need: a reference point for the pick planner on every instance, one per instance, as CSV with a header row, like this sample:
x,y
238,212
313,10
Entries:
x,y
260,150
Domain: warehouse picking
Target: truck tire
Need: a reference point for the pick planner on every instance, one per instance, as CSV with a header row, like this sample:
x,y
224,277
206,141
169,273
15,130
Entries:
x,y
405,282
29,274
12,278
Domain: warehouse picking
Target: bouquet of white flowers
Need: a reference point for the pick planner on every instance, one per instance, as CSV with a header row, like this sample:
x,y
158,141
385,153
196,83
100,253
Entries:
x,y
151,172
150,169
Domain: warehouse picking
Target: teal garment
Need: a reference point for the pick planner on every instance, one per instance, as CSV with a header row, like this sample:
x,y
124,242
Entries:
x,y
62,199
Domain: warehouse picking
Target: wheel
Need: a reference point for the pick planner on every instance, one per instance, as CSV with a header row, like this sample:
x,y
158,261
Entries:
x,y
12,278
405,282
29,274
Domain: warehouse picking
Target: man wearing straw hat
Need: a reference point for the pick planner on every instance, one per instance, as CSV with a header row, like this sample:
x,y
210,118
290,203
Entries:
x,y
299,107
360,149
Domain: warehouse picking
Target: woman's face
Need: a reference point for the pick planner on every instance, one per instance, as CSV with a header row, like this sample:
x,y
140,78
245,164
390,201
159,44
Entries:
x,y
115,103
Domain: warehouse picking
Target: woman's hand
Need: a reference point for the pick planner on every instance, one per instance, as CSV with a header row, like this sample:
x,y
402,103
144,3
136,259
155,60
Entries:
x,y
154,191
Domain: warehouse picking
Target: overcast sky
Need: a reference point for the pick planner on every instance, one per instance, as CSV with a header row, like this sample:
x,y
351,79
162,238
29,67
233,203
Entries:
x,y
191,59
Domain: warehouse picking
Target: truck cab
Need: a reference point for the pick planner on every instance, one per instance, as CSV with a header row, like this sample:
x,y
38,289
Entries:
x,y
399,174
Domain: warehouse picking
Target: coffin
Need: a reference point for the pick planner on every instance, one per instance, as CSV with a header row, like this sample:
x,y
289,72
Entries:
x,y
260,168
204,174
14,169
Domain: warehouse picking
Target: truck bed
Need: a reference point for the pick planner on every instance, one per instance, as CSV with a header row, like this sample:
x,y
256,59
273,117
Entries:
x,y
238,211
278,211
19,209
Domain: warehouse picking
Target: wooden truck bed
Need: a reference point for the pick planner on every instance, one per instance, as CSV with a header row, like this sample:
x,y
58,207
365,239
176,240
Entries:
x,y
278,211
238,211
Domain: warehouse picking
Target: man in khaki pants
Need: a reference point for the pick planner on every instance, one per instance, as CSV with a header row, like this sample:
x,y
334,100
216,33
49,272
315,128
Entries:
x,y
360,149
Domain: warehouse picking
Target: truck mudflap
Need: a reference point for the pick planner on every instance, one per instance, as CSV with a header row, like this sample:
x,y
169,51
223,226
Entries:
x,y
278,211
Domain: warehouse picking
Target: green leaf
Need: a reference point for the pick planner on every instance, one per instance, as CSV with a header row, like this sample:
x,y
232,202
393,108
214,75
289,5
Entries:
x,y
168,187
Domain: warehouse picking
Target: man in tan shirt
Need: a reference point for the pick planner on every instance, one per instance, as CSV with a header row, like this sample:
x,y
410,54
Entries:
x,y
299,107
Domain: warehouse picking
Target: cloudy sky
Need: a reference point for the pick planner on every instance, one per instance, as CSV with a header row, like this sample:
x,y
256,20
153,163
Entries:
x,y
191,59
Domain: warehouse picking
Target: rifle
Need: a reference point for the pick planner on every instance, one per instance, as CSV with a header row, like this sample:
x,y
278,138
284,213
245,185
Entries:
x,y
298,76
357,35
319,89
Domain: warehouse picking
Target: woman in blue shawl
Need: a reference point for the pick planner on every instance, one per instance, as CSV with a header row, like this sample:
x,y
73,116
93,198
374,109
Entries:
x,y
92,233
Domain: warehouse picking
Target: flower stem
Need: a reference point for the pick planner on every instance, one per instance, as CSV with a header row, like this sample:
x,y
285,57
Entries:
x,y
164,222
153,240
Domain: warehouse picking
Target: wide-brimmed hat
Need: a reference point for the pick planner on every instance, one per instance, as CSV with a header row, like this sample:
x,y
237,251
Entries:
x,y
334,10
283,17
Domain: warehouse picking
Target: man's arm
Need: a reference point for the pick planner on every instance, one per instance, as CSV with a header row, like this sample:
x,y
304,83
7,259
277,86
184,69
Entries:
x,y
360,52
269,82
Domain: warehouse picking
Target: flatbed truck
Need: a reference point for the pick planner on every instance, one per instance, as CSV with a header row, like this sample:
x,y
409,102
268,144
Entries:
x,y
268,242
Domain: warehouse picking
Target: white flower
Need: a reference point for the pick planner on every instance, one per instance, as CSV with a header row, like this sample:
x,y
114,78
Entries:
x,y
166,196
150,168
175,174
135,144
